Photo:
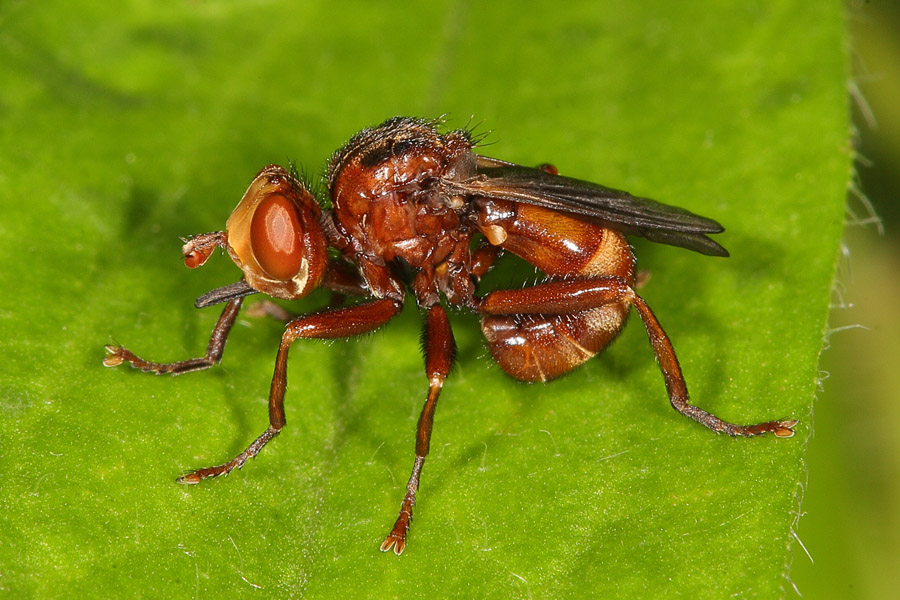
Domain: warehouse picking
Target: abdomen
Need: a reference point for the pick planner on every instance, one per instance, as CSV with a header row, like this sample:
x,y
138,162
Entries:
x,y
539,347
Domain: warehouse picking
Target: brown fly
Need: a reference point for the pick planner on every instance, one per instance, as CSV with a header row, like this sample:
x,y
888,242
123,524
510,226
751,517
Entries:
x,y
415,210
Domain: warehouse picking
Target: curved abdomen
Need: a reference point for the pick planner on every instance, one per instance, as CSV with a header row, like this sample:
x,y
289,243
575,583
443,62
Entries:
x,y
539,347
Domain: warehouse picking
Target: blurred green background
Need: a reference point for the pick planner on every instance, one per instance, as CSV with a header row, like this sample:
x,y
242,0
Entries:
x,y
851,520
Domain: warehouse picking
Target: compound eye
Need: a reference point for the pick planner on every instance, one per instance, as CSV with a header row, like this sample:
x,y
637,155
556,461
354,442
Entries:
x,y
275,237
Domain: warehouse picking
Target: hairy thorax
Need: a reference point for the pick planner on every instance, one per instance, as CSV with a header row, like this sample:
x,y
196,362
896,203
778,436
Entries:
x,y
387,203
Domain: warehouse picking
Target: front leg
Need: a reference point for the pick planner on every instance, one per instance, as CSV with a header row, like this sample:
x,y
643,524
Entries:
x,y
577,296
118,355
345,322
440,349
196,251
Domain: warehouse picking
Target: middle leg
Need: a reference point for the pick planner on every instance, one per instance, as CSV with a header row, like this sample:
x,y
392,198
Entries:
x,y
345,322
439,352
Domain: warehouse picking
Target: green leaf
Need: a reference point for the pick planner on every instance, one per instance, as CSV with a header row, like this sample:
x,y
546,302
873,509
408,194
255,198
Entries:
x,y
124,129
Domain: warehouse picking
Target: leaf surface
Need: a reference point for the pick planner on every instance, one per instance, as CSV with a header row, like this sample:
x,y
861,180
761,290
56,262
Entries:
x,y
125,129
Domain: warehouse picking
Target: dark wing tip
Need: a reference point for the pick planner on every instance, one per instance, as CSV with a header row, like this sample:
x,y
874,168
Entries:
x,y
712,248
697,242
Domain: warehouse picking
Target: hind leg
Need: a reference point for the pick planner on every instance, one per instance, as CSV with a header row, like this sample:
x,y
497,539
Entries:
x,y
573,297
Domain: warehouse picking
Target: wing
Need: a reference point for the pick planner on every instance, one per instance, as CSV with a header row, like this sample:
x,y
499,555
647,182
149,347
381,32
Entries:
x,y
610,208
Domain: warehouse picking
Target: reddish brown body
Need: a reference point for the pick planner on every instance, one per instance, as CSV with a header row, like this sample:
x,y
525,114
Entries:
x,y
538,347
417,210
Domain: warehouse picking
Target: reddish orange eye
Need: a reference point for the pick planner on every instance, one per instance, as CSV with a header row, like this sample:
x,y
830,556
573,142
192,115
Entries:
x,y
275,234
